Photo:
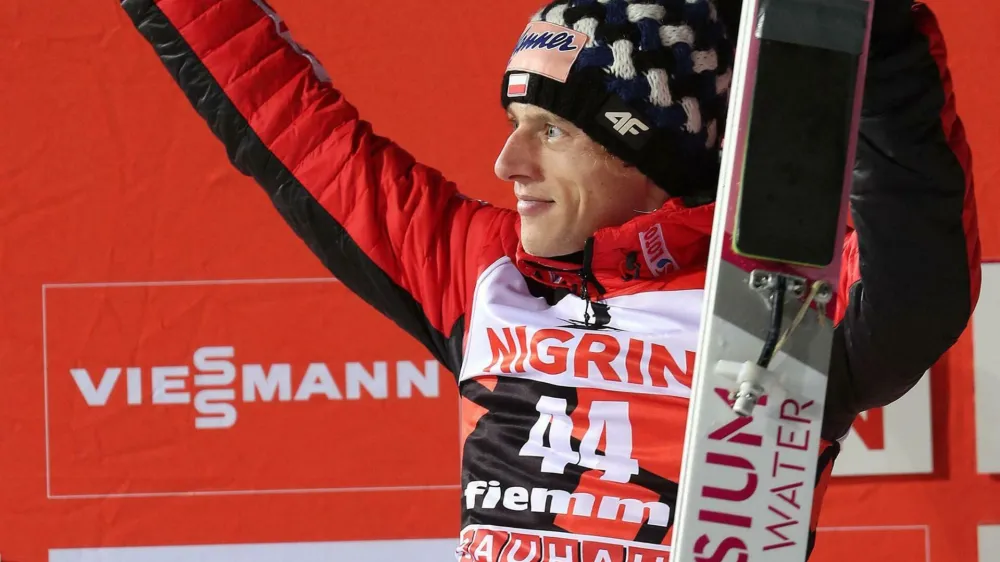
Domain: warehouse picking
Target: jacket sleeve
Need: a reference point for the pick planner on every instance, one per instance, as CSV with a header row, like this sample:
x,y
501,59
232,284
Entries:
x,y
392,230
912,265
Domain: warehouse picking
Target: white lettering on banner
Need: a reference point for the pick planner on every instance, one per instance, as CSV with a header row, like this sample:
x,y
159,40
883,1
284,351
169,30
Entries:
x,y
567,556
485,549
213,386
604,360
986,369
603,556
608,419
785,507
489,495
897,439
989,542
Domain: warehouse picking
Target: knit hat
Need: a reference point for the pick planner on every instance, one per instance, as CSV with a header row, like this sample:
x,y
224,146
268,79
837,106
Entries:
x,y
647,79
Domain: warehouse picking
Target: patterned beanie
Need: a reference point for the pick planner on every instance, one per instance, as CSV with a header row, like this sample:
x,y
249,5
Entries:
x,y
647,79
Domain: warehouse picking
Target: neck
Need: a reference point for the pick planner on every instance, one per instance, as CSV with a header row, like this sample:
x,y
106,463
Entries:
x,y
648,247
575,258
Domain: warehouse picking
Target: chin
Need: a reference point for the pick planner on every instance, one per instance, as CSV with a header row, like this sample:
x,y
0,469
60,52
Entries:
x,y
539,250
535,241
544,242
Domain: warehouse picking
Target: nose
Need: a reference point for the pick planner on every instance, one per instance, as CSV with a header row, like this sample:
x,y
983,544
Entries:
x,y
517,161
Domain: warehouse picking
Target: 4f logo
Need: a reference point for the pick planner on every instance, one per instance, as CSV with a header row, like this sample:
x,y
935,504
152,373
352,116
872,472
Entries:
x,y
625,123
609,422
616,115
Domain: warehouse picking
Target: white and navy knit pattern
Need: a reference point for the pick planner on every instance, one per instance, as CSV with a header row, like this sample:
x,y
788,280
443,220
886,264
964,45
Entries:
x,y
668,60
660,56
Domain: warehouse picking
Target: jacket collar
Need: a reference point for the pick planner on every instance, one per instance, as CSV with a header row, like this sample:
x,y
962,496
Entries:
x,y
651,246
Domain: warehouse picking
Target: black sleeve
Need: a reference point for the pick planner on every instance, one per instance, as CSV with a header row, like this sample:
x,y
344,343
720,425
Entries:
x,y
913,213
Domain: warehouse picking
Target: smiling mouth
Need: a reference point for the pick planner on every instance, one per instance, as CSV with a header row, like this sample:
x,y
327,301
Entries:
x,y
531,198
528,207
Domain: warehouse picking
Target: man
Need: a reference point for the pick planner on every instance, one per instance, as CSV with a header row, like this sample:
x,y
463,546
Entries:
x,y
571,323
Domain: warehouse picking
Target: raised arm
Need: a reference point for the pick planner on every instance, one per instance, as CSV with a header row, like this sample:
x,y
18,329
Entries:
x,y
912,267
392,230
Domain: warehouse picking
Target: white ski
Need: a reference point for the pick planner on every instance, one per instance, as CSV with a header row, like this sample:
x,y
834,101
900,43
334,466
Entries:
x,y
752,441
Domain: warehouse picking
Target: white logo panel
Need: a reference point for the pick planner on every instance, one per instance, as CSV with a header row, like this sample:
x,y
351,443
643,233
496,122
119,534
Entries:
x,y
986,358
891,440
989,543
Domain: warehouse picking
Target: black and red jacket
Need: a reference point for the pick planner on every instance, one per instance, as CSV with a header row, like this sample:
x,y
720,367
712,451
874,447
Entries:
x,y
575,374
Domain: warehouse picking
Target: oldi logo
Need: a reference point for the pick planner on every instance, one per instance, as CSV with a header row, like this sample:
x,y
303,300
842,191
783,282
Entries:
x,y
215,382
654,250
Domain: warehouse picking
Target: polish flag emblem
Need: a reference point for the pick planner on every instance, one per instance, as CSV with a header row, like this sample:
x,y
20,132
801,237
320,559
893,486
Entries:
x,y
517,86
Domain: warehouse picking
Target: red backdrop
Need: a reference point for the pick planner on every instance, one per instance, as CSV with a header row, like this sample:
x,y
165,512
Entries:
x,y
127,241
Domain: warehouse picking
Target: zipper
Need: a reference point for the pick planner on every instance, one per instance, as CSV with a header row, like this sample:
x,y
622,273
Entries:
x,y
587,277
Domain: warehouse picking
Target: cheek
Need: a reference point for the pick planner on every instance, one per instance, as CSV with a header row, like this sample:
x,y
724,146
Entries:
x,y
565,187
591,195
610,196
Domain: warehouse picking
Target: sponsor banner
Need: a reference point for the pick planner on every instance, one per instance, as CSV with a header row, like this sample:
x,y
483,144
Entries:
x,y
163,389
96,187
896,439
430,550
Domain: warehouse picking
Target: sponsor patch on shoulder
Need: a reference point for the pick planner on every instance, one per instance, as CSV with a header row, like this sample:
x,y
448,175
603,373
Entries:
x,y
654,249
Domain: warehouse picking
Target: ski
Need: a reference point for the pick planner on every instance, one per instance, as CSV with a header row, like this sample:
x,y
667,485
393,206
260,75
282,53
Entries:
x,y
752,441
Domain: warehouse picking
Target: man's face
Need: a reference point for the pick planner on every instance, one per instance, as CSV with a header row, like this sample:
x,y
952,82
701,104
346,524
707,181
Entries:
x,y
567,186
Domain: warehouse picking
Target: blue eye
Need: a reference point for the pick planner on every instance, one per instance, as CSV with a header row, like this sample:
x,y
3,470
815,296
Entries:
x,y
551,131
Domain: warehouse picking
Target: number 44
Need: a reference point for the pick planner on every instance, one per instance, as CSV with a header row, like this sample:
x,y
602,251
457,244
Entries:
x,y
607,419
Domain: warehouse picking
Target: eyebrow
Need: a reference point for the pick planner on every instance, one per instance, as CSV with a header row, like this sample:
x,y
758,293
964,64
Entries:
x,y
535,114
